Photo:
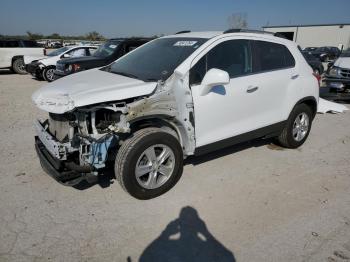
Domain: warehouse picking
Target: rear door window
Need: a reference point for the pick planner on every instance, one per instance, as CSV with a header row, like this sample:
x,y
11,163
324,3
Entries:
x,y
78,52
268,56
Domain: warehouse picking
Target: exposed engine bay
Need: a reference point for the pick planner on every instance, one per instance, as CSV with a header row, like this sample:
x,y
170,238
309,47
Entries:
x,y
89,136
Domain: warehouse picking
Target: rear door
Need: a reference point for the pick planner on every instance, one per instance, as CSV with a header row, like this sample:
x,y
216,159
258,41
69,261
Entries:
x,y
274,70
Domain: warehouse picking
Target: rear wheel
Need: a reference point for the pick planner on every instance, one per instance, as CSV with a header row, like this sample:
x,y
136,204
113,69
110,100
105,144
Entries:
x,y
149,163
19,67
48,73
297,128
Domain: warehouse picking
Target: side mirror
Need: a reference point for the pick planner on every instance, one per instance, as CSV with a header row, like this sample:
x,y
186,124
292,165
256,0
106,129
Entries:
x,y
214,77
66,56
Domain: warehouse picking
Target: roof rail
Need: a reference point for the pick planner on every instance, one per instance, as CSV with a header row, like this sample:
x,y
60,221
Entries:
x,y
253,31
183,32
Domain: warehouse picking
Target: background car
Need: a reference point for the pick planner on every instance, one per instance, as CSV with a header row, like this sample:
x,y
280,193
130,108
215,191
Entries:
x,y
44,68
104,55
12,52
337,79
309,49
326,53
314,62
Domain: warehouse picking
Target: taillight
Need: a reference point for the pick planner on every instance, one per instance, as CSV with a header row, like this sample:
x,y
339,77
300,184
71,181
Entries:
x,y
76,67
318,77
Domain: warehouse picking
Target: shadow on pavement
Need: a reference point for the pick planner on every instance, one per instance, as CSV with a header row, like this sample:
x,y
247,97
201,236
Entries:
x,y
187,238
6,72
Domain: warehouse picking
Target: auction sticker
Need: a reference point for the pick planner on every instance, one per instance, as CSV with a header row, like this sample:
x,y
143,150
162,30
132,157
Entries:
x,y
185,43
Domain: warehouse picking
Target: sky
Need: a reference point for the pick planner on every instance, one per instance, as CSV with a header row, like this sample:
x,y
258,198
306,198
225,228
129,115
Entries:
x,y
113,18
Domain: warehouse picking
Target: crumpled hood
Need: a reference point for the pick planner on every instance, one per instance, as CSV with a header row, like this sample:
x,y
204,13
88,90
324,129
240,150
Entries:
x,y
87,88
343,62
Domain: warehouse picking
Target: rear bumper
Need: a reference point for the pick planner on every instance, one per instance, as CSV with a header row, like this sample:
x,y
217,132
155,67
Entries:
x,y
334,95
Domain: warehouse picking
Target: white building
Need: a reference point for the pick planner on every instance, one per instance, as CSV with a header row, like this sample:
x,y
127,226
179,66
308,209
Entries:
x,y
315,35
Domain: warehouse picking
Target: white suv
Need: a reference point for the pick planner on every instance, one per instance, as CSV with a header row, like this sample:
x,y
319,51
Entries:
x,y
176,96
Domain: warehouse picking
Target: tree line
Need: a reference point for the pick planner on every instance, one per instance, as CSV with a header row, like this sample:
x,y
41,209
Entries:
x,y
91,36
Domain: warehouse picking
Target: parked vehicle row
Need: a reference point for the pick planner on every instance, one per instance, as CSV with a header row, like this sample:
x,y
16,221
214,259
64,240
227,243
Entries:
x,y
44,68
338,78
314,62
104,55
173,97
324,53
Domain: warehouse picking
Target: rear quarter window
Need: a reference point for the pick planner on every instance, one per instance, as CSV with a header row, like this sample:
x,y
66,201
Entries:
x,y
268,56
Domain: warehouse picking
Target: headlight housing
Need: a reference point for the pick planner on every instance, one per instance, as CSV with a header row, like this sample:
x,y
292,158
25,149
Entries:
x,y
334,71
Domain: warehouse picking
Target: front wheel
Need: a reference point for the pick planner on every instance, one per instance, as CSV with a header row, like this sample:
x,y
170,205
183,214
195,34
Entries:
x,y
297,128
149,163
48,73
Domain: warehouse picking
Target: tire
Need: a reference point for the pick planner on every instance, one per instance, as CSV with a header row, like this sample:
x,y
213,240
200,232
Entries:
x,y
48,73
132,153
289,138
19,67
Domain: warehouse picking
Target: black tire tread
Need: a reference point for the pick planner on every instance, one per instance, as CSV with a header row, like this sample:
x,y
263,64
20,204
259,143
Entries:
x,y
283,139
15,69
126,147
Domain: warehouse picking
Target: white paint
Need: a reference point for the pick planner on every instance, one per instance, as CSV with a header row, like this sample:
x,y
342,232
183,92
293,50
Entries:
x,y
326,106
88,87
6,54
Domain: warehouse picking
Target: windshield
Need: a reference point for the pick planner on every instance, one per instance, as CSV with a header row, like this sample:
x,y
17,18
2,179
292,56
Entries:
x,y
58,51
107,48
156,60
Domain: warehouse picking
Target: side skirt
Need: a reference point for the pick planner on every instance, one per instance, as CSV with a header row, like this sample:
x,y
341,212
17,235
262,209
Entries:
x,y
264,132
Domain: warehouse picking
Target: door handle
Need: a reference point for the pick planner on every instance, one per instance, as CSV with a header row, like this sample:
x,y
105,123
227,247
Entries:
x,y
252,89
294,76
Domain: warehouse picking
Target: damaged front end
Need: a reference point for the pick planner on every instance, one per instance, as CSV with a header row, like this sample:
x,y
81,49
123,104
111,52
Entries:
x,y
83,141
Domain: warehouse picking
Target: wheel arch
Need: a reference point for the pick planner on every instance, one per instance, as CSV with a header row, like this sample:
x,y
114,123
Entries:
x,y
311,102
164,122
15,58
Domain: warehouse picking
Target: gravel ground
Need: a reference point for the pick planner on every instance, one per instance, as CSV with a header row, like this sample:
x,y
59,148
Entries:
x,y
254,202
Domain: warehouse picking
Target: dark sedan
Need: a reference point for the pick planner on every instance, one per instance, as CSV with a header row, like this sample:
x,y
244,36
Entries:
x,y
104,55
326,53
314,62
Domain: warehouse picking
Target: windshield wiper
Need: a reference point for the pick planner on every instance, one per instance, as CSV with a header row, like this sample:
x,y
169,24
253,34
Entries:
x,y
125,74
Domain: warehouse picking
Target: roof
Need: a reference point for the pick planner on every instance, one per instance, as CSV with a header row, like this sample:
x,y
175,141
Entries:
x,y
311,25
204,34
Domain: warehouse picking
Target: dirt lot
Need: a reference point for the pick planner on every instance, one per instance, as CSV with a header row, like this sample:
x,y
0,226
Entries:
x,y
254,202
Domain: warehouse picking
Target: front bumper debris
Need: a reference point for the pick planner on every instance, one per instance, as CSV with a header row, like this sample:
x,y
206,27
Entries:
x,y
54,158
34,68
57,169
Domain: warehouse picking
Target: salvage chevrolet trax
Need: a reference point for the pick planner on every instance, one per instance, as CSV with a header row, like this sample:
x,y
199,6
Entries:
x,y
176,96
